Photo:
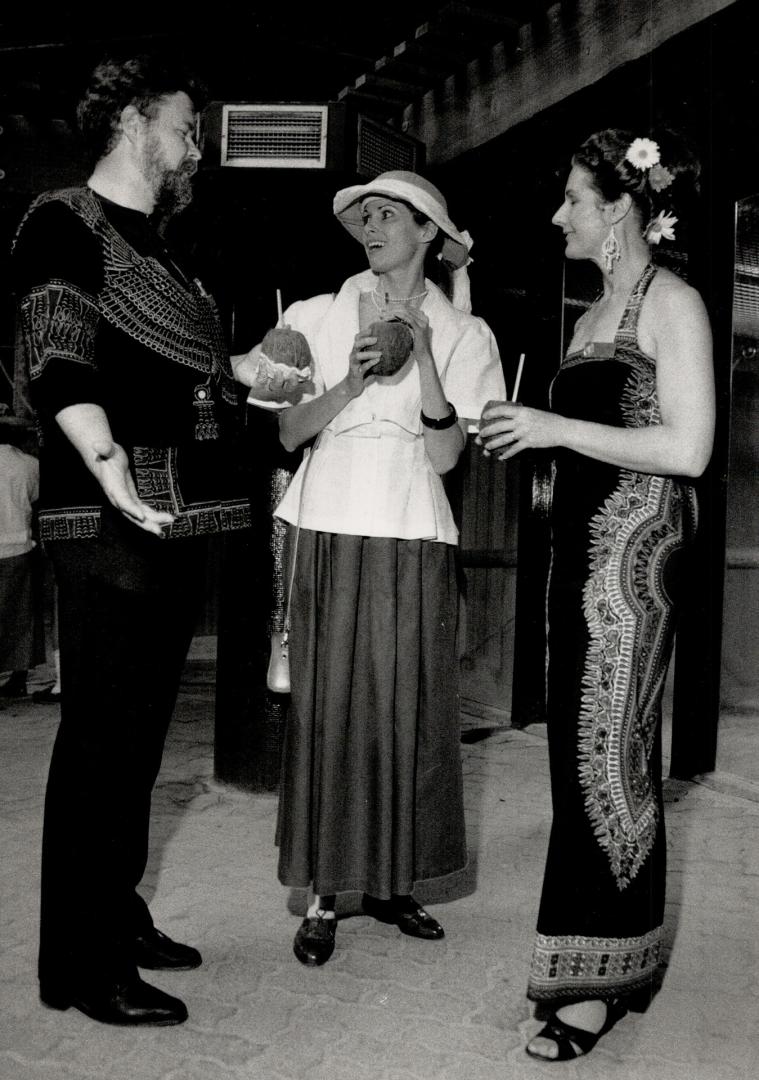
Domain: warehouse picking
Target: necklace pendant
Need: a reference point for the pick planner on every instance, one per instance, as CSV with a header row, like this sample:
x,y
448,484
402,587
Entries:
x,y
206,425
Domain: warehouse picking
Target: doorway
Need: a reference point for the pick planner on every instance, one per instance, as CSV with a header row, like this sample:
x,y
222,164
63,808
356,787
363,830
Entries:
x,y
739,694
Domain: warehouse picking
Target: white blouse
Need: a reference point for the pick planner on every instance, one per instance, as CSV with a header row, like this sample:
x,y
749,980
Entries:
x,y
370,475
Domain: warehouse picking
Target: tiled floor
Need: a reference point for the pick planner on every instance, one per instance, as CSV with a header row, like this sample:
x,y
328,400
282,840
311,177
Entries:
x,y
386,1007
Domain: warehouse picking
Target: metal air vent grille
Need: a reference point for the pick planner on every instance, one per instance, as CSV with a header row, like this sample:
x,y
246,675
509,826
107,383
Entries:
x,y
381,149
274,136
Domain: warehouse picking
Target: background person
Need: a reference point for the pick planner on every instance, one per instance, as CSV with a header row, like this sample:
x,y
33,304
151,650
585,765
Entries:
x,y
371,796
632,422
22,642
51,694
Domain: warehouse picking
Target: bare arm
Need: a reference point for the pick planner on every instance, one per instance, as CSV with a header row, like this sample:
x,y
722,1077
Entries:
x,y
86,427
443,446
679,445
301,422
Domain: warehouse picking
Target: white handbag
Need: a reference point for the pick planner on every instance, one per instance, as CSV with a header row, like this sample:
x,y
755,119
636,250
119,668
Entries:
x,y
278,672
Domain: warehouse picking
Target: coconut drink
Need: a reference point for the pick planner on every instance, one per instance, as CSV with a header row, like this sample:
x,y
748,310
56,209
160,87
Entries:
x,y
285,346
395,341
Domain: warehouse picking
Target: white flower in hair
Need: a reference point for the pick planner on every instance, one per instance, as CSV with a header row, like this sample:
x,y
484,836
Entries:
x,y
661,228
643,153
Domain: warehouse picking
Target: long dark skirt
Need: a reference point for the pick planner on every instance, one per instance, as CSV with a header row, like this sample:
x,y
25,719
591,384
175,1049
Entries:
x,y
371,795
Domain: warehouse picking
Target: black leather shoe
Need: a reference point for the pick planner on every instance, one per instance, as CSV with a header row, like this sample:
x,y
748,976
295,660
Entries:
x,y
408,916
315,940
13,688
134,1002
158,952
48,696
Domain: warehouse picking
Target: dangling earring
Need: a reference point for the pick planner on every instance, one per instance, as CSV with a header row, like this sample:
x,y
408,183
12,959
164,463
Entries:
x,y
611,251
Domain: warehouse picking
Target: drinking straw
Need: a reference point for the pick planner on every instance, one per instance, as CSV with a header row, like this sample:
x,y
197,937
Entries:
x,y
279,307
518,378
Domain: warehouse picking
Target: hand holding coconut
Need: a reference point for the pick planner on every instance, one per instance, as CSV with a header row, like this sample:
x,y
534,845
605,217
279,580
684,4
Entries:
x,y
281,362
278,366
284,359
395,341
362,361
399,335
287,350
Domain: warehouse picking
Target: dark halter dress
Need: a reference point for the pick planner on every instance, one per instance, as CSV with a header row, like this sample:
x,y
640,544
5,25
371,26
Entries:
x,y
617,537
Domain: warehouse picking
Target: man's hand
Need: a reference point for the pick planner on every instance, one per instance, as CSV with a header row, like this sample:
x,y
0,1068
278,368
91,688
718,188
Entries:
x,y
86,426
267,380
110,466
278,379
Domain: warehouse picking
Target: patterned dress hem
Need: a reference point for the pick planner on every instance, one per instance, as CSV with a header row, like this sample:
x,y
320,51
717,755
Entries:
x,y
581,968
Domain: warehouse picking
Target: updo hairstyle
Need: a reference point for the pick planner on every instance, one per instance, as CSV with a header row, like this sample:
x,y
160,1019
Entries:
x,y
667,185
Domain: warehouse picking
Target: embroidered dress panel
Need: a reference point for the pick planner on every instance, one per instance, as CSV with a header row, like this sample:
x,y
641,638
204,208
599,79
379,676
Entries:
x,y
582,967
617,537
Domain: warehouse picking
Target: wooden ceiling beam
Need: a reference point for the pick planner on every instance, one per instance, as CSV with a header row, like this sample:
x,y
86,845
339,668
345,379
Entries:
x,y
413,53
439,51
376,103
409,71
569,48
394,89
483,23
439,47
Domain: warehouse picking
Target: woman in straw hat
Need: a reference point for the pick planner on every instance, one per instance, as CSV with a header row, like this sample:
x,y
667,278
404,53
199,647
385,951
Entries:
x,y
371,795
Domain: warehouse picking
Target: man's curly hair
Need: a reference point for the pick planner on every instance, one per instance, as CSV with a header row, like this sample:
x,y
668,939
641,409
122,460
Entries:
x,y
141,81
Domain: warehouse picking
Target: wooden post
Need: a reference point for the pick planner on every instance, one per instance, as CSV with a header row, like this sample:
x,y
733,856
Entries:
x,y
250,720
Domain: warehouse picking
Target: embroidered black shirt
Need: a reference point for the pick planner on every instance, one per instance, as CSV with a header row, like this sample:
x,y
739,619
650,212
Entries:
x,y
110,316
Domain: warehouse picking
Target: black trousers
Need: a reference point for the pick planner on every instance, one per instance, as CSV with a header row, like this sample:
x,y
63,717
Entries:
x,y
127,607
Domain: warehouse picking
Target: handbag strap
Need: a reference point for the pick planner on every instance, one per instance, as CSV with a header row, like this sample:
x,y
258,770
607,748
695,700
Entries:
x,y
286,624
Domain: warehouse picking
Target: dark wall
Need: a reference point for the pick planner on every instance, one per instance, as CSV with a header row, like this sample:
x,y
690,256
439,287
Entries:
x,y
704,84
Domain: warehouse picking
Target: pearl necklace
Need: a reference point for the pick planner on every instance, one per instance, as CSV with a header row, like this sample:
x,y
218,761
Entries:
x,y
394,299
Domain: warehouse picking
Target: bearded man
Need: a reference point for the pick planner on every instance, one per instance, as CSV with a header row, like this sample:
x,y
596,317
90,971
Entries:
x,y
138,411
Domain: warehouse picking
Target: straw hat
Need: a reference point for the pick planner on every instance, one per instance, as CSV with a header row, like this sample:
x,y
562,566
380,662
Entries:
x,y
413,189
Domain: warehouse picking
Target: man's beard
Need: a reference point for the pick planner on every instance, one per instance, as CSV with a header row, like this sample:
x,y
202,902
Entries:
x,y
174,192
172,188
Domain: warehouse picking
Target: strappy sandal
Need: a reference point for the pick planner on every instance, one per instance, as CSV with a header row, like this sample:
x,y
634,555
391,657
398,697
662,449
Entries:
x,y
575,1042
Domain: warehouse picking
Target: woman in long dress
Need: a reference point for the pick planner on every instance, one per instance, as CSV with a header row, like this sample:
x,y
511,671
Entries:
x,y
632,415
371,795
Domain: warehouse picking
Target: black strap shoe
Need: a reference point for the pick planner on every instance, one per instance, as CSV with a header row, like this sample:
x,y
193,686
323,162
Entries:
x,y
572,1042
156,951
130,1003
315,940
408,916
